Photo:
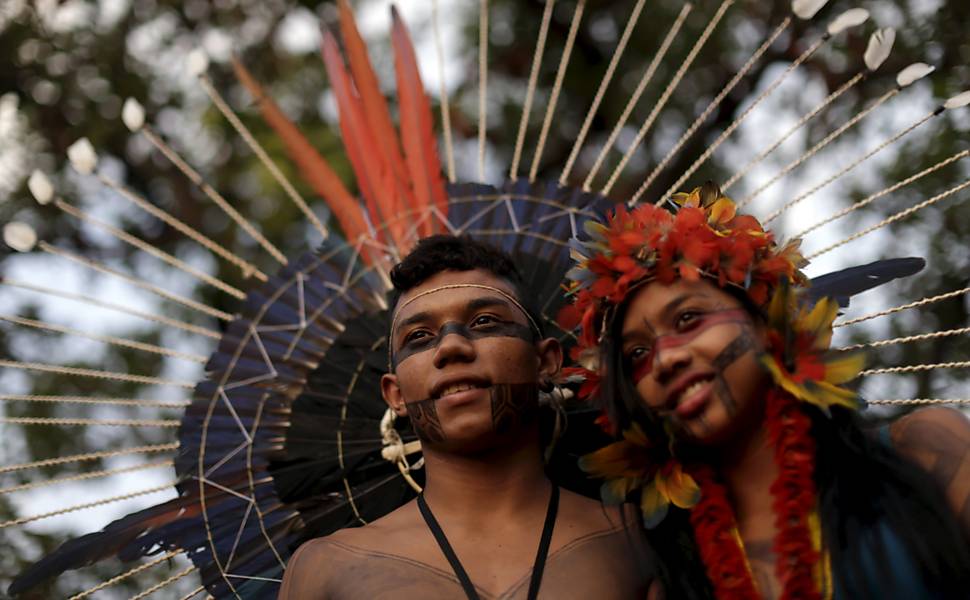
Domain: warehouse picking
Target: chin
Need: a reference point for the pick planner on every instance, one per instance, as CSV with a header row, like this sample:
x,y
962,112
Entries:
x,y
709,428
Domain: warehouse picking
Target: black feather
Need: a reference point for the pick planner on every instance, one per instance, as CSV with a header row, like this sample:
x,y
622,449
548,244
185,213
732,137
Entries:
x,y
842,285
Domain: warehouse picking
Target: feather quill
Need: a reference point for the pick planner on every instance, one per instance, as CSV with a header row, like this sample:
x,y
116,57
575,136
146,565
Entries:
x,y
417,130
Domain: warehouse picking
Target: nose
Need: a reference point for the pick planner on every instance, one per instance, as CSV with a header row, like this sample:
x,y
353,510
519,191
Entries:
x,y
453,347
670,359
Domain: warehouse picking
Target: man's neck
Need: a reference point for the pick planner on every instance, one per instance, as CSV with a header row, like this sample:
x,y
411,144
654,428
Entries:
x,y
474,490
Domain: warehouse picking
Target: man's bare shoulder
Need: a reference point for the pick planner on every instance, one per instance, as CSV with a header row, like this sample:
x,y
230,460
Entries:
x,y
394,530
307,571
379,560
587,516
327,567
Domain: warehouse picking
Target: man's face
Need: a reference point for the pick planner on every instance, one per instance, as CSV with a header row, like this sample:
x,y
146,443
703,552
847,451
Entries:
x,y
453,350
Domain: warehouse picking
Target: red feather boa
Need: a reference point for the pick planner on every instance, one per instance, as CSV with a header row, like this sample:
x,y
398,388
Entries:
x,y
794,499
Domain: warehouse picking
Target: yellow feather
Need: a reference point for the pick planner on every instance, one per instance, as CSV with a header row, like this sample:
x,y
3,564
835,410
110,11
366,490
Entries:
x,y
653,505
844,368
682,490
828,394
722,210
818,322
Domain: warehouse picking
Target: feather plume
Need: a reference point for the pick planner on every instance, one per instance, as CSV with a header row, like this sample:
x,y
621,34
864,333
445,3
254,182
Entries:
x,y
842,285
959,101
880,44
850,18
358,138
806,9
417,129
313,168
913,73
375,107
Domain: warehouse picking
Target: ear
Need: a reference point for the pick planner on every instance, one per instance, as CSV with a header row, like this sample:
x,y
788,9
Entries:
x,y
391,392
550,358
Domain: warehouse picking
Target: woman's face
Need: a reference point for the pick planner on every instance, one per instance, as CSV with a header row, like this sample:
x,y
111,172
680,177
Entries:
x,y
691,351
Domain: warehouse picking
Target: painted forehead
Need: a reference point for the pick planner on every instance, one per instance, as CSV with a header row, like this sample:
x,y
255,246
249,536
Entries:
x,y
438,301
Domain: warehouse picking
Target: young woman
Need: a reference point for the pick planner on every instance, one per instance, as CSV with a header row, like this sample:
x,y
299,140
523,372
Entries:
x,y
735,434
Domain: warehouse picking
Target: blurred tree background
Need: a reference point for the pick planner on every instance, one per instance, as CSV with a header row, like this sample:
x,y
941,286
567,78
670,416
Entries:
x,y
70,65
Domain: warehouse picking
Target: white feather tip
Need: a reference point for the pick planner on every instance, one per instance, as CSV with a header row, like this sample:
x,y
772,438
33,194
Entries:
x,y
806,9
197,62
913,73
19,236
133,114
880,45
82,156
850,18
40,187
958,101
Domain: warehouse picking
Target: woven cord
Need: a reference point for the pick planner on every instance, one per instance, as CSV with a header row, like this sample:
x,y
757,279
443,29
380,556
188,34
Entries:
x,y
264,158
119,578
77,507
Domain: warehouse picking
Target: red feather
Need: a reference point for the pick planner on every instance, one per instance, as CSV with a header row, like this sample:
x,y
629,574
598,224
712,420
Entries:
x,y
417,130
360,144
375,107
313,168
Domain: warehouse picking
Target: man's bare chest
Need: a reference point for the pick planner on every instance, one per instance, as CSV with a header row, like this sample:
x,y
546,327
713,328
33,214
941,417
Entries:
x,y
588,566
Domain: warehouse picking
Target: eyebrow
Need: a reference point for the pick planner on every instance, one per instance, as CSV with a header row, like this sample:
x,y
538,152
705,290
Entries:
x,y
486,302
669,308
676,302
475,304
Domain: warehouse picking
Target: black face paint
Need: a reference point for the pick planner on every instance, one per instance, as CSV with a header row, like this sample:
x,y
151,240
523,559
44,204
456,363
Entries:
x,y
424,419
512,406
497,328
738,347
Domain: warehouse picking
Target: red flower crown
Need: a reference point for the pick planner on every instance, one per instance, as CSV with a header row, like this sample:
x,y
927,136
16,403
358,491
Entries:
x,y
705,237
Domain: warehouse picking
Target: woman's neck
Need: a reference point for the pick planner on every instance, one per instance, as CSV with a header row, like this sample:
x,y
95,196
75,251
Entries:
x,y
748,469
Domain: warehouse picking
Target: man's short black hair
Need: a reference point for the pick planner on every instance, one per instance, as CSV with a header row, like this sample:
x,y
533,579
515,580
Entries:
x,y
438,253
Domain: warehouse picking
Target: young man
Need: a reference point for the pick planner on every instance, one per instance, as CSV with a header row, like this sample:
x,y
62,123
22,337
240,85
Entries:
x,y
468,361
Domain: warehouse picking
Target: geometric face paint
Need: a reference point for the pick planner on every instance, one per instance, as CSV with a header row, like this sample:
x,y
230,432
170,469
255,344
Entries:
x,y
738,347
493,328
512,405
509,299
643,365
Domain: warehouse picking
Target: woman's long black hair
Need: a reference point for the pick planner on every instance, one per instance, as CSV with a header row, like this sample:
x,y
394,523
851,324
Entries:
x,y
879,511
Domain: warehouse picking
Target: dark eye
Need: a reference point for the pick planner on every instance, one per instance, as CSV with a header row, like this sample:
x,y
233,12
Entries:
x,y
687,319
484,321
637,353
415,336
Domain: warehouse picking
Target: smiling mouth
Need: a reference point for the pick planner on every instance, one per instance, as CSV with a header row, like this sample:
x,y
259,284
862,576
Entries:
x,y
692,398
457,388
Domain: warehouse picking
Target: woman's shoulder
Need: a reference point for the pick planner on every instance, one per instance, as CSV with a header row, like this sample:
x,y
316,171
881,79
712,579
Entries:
x,y
932,430
937,439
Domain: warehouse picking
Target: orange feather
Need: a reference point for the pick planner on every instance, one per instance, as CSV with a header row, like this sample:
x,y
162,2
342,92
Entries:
x,y
375,107
417,130
361,147
313,168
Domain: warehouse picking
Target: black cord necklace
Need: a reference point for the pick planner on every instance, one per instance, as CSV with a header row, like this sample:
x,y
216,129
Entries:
x,y
466,582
